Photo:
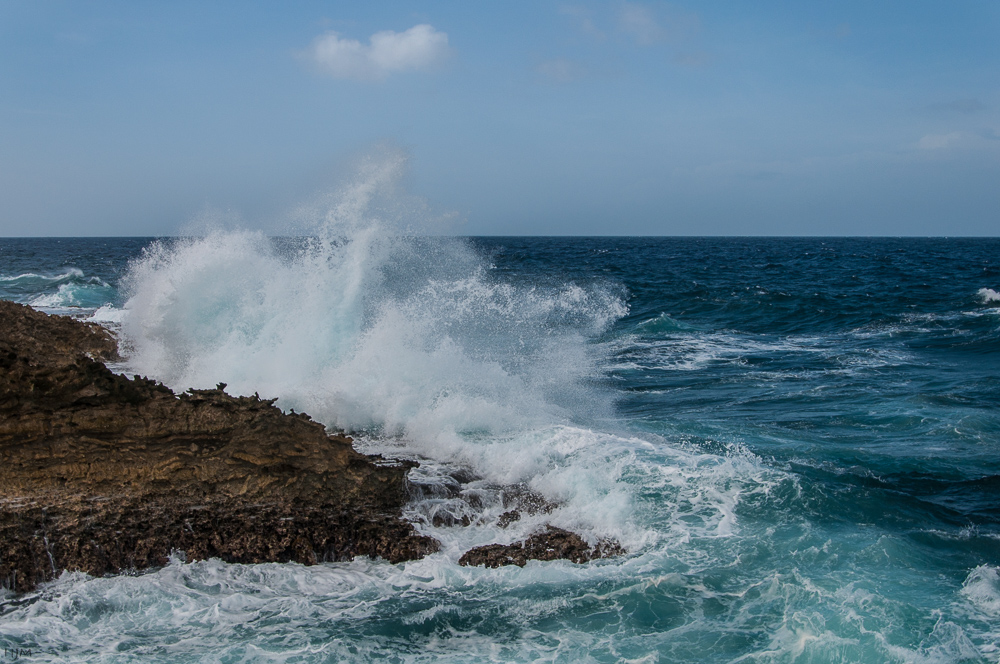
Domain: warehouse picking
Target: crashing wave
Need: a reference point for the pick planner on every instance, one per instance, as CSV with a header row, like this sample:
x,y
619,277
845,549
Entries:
x,y
989,296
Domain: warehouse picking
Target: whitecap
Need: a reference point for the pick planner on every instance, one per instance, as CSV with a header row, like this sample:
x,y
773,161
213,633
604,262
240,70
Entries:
x,y
988,295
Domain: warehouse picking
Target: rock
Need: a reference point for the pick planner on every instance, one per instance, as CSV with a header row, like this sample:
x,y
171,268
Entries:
x,y
522,499
104,474
551,544
508,518
519,498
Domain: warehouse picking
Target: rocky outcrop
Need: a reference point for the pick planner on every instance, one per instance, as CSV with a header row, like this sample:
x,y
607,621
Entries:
x,y
550,544
102,473
458,497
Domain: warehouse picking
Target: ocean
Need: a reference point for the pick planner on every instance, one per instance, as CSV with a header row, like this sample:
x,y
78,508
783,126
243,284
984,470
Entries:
x,y
797,441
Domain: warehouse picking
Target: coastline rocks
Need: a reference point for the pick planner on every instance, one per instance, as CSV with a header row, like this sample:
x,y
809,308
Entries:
x,y
460,498
550,544
104,474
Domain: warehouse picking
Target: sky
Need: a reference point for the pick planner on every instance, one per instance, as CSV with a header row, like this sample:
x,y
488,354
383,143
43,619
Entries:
x,y
517,118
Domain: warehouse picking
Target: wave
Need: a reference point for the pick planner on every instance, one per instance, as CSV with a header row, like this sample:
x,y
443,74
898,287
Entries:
x,y
989,296
75,295
66,292
32,278
982,589
329,331
663,324
376,331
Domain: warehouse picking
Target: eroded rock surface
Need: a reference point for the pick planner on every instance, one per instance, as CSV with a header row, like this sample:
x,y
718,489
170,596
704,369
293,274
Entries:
x,y
104,474
550,544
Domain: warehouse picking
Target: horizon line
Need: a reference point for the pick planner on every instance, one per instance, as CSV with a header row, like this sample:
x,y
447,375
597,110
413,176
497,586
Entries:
x,y
562,236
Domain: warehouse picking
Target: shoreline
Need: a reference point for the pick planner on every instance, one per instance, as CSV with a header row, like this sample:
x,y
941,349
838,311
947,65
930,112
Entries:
x,y
106,474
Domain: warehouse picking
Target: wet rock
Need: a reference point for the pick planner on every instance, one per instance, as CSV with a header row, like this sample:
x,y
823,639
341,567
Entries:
x,y
551,544
508,518
104,474
519,498
463,475
446,518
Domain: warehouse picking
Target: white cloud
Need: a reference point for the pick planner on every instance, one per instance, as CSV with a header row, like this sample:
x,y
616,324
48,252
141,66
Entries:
x,y
584,21
420,47
638,21
938,141
665,24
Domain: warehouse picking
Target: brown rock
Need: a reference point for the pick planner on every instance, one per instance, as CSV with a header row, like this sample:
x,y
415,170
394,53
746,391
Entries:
x,y
102,474
508,518
551,544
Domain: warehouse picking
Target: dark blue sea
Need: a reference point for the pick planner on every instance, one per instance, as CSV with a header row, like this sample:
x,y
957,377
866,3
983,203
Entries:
x,y
797,440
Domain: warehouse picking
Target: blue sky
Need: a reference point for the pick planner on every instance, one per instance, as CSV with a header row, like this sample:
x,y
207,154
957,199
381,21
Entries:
x,y
580,118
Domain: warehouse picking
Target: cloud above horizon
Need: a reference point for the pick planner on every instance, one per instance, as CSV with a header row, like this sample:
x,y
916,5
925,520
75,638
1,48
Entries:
x,y
561,70
647,25
939,141
388,52
583,17
638,21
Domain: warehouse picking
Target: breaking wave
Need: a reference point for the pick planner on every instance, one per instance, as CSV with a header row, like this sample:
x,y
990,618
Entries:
x,y
389,335
65,292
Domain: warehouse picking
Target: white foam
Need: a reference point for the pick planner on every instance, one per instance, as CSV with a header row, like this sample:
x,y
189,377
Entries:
x,y
696,351
74,293
988,295
66,296
71,273
107,314
369,329
982,589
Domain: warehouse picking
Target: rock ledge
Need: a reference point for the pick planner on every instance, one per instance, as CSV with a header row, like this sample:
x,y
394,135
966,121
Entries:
x,y
104,474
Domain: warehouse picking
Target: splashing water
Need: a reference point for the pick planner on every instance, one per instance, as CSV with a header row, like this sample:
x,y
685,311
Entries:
x,y
989,296
382,333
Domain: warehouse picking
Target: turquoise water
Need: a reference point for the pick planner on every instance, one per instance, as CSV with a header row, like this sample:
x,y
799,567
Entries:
x,y
796,439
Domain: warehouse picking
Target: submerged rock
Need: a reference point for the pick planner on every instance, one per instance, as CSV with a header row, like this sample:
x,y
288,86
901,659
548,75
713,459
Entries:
x,y
104,474
550,544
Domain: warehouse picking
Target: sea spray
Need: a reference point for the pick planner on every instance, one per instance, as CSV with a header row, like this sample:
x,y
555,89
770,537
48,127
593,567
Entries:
x,y
404,339
989,296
